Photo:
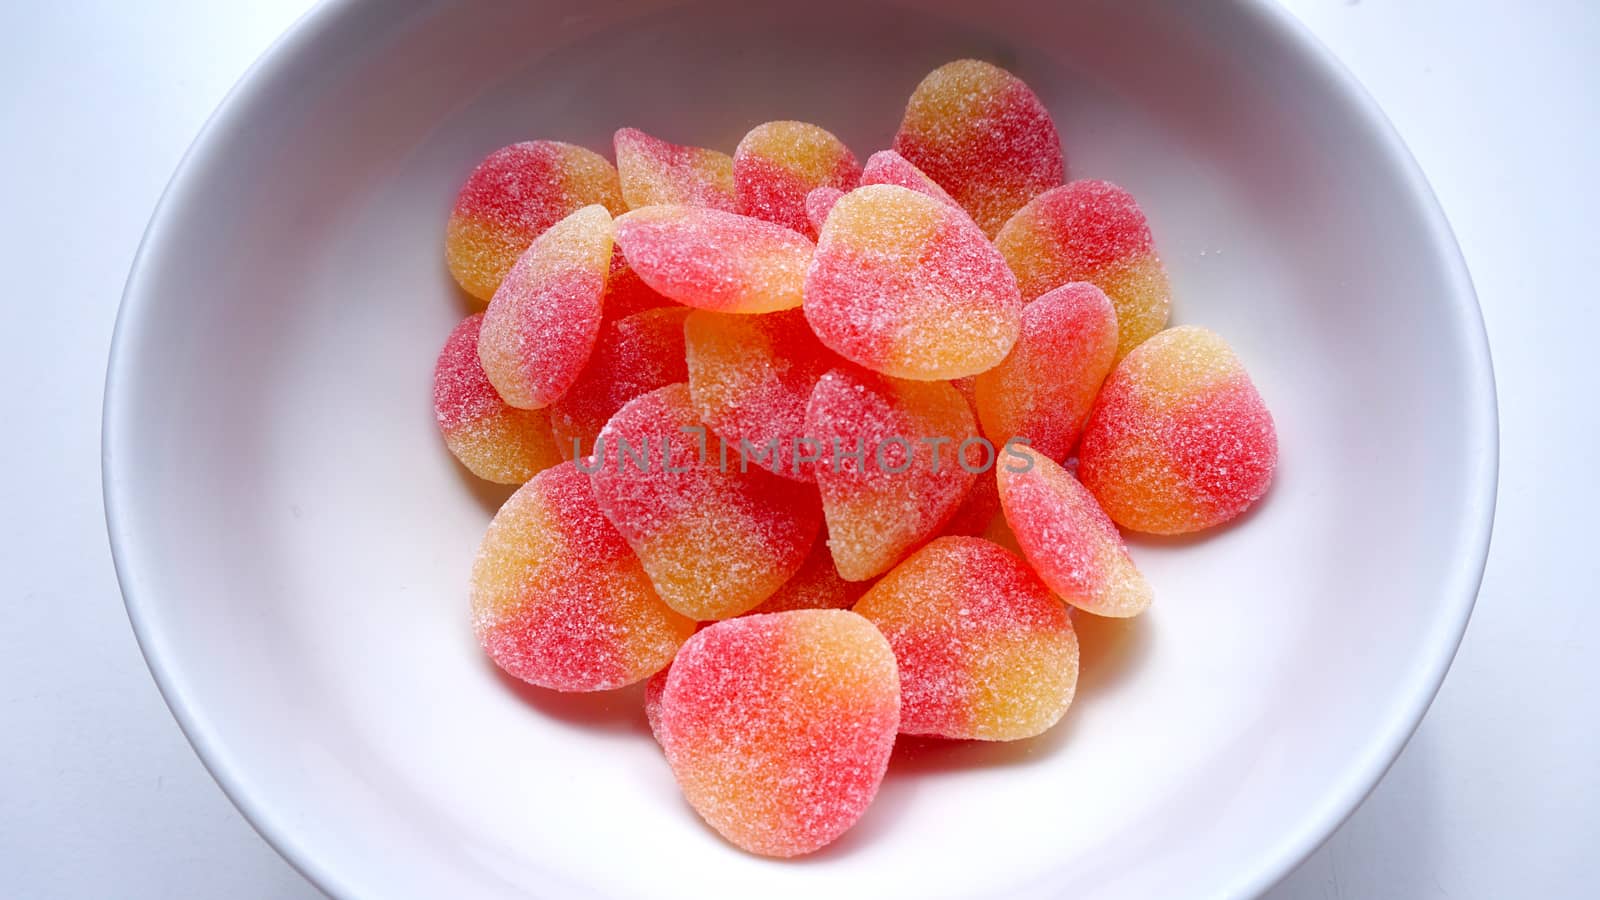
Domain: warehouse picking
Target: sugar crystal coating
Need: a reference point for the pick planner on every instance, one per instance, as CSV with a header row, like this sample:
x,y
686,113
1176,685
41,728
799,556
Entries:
x,y
889,167
818,204
716,260
656,171
715,541
980,132
512,197
495,441
1044,389
983,649
542,322
778,163
1091,231
1179,439
887,470
904,285
751,378
779,727
558,599
1068,538
633,355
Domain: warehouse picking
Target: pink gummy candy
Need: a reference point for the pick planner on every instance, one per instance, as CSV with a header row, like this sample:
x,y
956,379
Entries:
x,y
1179,439
779,163
889,167
1044,389
1091,231
716,260
751,378
512,197
980,132
779,727
1067,538
907,480
984,651
495,441
558,599
715,541
655,171
904,285
542,322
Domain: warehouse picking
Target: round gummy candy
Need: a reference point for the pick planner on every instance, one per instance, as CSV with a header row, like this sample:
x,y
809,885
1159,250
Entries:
x,y
1067,537
984,651
1044,389
495,441
512,197
716,260
633,355
655,171
816,586
751,378
980,132
889,167
779,727
779,163
904,285
1091,231
888,465
558,599
715,540
1179,439
542,322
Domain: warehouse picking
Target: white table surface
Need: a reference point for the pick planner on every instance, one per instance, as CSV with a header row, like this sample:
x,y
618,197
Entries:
x,y
1498,795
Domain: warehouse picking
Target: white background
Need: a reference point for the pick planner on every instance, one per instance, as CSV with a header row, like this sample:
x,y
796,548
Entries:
x,y
1498,795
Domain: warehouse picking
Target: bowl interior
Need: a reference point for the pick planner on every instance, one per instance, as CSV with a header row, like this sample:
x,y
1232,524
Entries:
x,y
294,539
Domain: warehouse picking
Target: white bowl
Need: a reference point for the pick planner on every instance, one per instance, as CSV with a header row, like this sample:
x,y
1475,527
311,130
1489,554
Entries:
x,y
293,540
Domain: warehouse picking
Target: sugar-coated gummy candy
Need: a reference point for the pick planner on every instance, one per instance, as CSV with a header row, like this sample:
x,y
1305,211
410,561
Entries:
x,y
716,541
778,163
818,204
1179,439
541,325
656,171
889,167
558,598
982,134
1091,231
817,585
1044,388
716,260
495,441
907,481
512,197
751,378
904,285
633,355
779,727
1068,538
984,651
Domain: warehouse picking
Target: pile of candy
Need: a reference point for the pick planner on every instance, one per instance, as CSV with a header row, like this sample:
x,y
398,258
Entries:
x,y
778,417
